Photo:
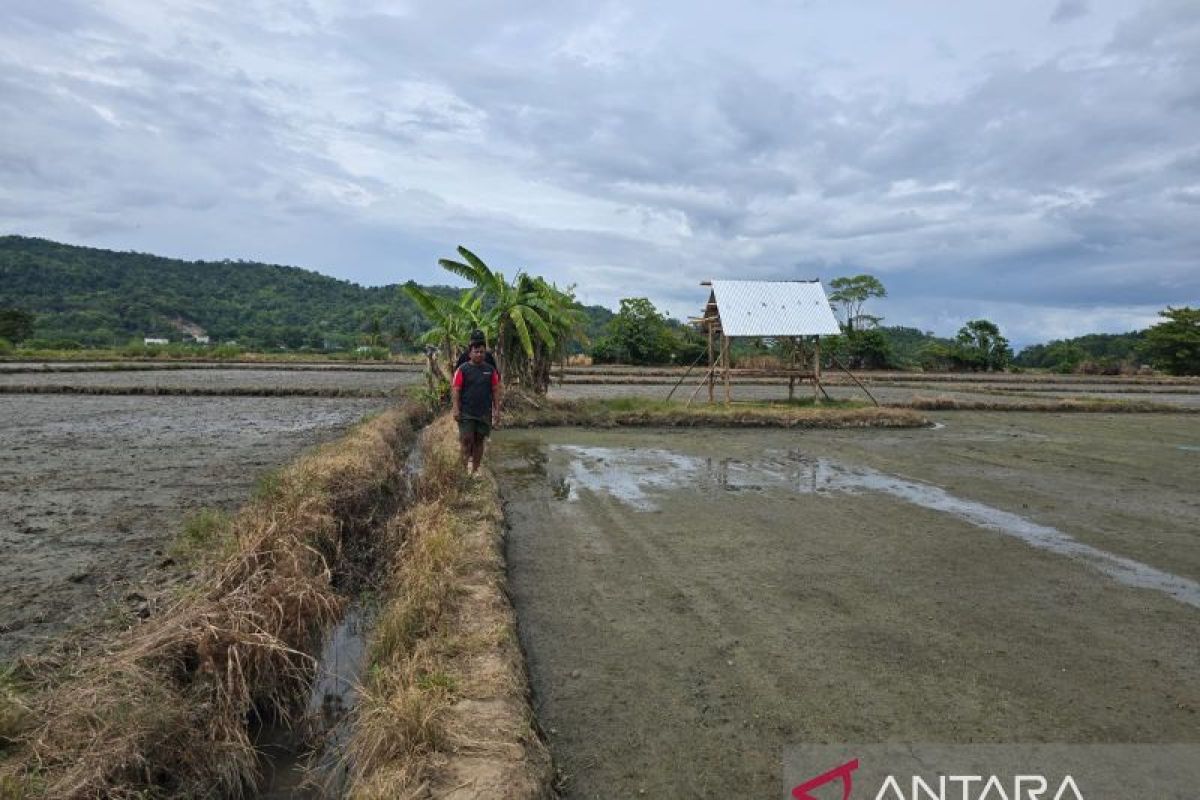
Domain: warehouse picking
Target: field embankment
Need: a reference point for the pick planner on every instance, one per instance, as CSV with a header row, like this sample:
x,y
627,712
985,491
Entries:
x,y
164,708
1084,406
445,711
643,412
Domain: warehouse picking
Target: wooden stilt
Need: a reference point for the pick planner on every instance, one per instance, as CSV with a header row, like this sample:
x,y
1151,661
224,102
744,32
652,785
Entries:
x,y
795,365
725,363
711,379
816,366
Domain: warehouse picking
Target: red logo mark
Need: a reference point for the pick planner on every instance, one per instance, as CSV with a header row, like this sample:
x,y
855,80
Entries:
x,y
841,773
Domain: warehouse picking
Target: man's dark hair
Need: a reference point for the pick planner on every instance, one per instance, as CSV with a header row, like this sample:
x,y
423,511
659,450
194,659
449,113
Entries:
x,y
477,337
475,344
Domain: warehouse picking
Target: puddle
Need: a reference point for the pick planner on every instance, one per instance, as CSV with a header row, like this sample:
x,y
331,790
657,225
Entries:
x,y
635,475
1191,448
307,761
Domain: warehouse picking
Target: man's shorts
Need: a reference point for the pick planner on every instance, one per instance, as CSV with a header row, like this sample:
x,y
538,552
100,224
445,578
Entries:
x,y
471,425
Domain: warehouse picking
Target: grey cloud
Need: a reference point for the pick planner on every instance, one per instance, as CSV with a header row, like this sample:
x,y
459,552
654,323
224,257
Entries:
x,y
342,138
1068,10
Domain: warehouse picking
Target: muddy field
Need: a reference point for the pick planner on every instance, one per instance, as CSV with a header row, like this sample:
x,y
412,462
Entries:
x,y
1187,396
222,379
692,604
93,490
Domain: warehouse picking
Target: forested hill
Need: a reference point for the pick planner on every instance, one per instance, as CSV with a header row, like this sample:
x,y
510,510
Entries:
x,y
103,297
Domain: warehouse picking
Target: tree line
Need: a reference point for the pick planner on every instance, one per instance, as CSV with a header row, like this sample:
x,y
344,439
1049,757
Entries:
x,y
57,296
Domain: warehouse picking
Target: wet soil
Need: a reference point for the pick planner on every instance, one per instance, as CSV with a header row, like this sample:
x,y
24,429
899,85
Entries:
x,y
221,379
94,489
692,604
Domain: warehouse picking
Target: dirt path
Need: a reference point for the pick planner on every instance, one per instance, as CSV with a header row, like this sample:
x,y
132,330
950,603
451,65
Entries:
x,y
691,604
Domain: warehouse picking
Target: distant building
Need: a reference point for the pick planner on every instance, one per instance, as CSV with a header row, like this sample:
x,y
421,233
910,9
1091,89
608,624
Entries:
x,y
200,339
152,340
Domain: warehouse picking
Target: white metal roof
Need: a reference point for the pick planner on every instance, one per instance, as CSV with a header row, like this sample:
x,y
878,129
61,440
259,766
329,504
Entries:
x,y
774,308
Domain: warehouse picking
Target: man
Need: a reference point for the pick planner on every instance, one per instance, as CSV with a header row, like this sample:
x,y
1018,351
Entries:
x,y
476,392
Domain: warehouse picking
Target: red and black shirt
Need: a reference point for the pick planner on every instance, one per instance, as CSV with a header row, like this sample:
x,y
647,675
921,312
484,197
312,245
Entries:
x,y
475,389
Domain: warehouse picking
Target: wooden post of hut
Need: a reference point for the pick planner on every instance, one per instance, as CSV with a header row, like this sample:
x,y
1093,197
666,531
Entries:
x,y
712,366
725,365
793,362
816,371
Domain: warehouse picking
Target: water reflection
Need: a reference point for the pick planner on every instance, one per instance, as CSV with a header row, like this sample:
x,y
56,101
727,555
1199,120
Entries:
x,y
636,476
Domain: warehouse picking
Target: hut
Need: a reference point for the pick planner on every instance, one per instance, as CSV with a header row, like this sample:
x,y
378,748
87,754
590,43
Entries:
x,y
796,311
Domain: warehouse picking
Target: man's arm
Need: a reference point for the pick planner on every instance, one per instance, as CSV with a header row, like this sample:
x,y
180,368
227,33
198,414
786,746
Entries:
x,y
456,394
497,397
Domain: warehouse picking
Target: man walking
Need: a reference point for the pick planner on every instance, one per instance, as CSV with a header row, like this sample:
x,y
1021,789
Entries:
x,y
476,392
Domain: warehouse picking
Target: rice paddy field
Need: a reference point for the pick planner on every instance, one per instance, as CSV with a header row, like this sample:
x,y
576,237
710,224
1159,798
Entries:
x,y
693,604
94,490
690,603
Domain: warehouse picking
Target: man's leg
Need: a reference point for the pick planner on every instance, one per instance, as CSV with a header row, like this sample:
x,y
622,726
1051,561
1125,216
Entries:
x,y
480,440
466,437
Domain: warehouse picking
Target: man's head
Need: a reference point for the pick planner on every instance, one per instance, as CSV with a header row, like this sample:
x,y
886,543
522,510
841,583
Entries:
x,y
477,336
476,352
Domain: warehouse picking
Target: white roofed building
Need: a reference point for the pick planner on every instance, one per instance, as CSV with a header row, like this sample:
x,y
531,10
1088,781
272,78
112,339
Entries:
x,y
795,310
771,309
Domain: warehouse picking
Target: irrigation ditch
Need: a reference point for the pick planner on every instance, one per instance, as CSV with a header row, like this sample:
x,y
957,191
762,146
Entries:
x,y
347,634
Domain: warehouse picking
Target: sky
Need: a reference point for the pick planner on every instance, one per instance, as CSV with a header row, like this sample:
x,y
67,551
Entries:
x,y
1033,163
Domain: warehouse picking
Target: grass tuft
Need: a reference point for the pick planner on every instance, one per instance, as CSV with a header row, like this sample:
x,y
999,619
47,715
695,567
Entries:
x,y
641,411
445,640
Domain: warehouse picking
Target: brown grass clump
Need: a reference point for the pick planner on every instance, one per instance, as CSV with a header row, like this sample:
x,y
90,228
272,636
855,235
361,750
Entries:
x,y
164,710
642,412
1074,406
445,709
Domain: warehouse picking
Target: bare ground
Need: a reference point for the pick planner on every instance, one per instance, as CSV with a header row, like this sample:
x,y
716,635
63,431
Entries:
x,y
220,379
691,604
93,490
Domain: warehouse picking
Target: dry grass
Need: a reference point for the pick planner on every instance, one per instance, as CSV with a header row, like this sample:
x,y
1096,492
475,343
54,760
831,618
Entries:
x,y
635,412
445,708
164,709
1051,406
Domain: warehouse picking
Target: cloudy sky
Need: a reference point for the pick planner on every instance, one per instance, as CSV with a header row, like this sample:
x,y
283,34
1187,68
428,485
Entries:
x,y
1037,163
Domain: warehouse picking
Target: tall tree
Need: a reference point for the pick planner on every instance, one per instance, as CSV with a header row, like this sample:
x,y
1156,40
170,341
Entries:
x,y
1174,344
851,294
980,346
16,325
638,334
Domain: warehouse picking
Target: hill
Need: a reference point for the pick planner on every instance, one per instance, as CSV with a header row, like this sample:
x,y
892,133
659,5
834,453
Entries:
x,y
1093,352
103,297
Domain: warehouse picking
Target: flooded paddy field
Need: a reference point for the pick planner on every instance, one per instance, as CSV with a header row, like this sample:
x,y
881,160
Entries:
x,y
1025,393
693,603
207,378
93,490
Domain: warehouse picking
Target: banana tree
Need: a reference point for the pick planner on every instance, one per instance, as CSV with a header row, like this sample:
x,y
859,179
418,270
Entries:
x,y
453,320
511,314
527,322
